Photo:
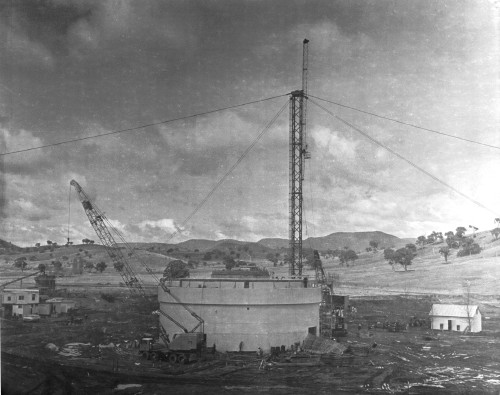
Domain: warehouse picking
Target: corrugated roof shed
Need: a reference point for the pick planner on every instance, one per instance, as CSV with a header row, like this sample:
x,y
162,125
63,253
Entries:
x,y
453,310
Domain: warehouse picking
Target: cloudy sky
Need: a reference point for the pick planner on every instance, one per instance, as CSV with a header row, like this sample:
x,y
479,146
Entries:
x,y
70,69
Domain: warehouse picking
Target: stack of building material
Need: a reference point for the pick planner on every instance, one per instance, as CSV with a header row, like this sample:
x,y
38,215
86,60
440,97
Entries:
x,y
320,345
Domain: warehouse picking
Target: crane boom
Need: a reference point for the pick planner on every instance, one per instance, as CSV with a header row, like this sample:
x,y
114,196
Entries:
x,y
2,286
121,262
98,221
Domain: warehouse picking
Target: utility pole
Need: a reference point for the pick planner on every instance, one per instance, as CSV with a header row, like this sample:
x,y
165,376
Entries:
x,y
298,153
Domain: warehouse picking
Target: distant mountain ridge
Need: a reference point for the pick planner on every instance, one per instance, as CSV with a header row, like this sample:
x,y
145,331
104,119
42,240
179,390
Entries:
x,y
357,241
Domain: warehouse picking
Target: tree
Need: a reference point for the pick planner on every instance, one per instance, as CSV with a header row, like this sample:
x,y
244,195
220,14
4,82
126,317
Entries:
x,y
272,258
88,266
176,269
57,265
474,229
347,256
495,232
421,240
118,266
49,242
445,251
229,262
374,245
468,300
451,240
412,247
37,245
101,266
390,257
404,257
460,232
41,268
20,263
469,247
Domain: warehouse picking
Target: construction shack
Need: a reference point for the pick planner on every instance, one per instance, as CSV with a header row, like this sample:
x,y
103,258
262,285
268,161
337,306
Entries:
x,y
456,318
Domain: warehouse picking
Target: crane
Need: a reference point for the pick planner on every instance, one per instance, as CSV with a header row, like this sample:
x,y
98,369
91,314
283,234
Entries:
x,y
122,262
298,154
2,286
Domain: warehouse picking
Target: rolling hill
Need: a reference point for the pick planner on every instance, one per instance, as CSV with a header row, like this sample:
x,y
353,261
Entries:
x,y
357,241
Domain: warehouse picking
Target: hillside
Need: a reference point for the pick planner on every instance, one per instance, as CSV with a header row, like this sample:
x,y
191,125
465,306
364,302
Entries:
x,y
428,273
357,241
6,246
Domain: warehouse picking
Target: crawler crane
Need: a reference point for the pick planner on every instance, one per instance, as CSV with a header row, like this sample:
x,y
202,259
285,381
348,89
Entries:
x,y
122,262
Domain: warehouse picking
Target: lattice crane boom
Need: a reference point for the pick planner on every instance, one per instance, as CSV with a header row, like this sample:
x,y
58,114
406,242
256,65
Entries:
x,y
298,154
121,263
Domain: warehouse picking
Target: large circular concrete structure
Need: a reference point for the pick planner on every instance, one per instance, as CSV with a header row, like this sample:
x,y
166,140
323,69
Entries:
x,y
252,313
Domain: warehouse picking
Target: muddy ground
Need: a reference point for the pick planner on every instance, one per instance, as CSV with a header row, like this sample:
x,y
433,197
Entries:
x,y
94,357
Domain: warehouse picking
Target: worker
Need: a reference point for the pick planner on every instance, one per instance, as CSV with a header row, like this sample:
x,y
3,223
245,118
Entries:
x,y
260,352
241,346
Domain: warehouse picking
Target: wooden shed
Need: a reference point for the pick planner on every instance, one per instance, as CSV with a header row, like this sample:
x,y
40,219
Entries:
x,y
456,317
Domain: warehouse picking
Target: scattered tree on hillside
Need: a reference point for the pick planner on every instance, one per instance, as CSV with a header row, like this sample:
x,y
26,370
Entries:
x,y
421,240
390,257
412,247
460,232
374,245
37,245
42,268
20,263
33,258
57,265
445,251
474,229
101,266
403,256
469,247
118,266
272,258
451,240
176,269
347,256
495,232
229,262
49,242
88,266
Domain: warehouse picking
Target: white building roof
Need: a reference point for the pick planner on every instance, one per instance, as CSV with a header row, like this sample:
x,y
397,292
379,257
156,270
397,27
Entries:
x,y
453,310
21,290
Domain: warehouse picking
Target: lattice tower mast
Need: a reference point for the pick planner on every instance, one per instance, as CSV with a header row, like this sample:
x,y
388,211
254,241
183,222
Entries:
x,y
298,154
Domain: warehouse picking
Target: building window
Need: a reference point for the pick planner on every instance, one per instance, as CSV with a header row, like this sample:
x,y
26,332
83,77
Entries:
x,y
9,298
458,327
441,326
19,306
247,284
21,297
33,296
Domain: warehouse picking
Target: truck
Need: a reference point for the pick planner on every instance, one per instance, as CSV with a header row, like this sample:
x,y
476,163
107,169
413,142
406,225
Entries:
x,y
184,347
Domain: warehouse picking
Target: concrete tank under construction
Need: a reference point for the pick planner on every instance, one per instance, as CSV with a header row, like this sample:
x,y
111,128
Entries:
x,y
246,313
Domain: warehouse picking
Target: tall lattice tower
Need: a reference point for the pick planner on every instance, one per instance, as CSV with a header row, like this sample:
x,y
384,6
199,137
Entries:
x,y
298,154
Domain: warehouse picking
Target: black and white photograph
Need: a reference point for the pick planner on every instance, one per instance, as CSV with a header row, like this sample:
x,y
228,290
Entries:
x,y
250,197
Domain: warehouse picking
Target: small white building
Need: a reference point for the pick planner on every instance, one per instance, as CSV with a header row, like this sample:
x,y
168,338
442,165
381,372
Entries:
x,y
60,305
20,301
456,317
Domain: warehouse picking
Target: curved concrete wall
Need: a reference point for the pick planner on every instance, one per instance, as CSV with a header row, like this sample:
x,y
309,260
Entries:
x,y
265,316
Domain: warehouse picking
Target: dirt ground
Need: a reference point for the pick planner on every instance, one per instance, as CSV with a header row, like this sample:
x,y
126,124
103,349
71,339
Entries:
x,y
95,356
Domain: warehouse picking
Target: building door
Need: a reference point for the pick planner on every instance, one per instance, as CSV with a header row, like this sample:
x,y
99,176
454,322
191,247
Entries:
x,y
312,330
449,325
